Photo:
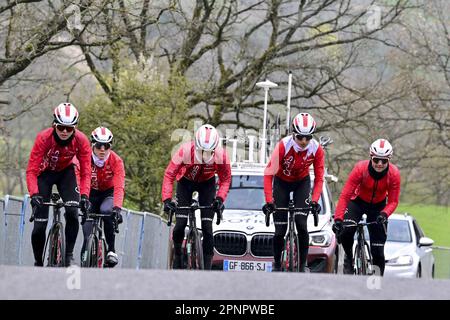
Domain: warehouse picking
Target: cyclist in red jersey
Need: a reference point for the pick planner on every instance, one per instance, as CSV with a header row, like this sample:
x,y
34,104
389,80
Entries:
x,y
107,189
288,171
194,166
372,188
51,163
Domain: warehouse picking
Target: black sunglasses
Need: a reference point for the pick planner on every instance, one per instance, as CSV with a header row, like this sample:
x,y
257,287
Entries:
x,y
99,145
383,161
306,136
61,128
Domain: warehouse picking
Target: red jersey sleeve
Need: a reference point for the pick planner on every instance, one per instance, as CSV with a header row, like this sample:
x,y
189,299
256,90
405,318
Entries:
x,y
393,192
171,172
224,173
36,156
119,182
271,169
319,171
84,157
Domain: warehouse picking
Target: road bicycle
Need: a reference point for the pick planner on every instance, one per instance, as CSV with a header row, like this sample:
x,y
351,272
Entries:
x,y
55,241
290,259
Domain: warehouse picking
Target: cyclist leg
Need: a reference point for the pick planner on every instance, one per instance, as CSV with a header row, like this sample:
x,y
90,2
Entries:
x,y
184,198
353,214
45,184
377,240
106,209
68,189
281,191
207,193
301,199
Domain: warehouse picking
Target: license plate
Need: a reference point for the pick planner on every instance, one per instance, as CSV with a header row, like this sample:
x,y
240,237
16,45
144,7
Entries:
x,y
239,265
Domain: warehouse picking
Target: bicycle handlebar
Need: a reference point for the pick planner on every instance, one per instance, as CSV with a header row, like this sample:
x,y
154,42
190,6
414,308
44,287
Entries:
x,y
363,224
55,204
194,207
291,209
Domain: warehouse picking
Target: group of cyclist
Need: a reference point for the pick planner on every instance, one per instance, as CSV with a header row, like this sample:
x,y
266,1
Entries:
x,y
373,187
62,151
86,173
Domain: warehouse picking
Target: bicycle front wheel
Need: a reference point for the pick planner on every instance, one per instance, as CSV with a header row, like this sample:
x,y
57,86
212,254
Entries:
x,y
90,255
294,254
361,260
194,252
56,246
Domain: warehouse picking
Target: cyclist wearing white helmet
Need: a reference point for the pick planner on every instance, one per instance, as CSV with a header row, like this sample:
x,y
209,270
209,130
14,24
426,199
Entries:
x,y
51,163
107,189
288,171
194,166
373,188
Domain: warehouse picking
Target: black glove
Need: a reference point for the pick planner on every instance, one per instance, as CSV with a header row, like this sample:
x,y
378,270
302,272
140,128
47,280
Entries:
x,y
117,214
170,205
217,205
382,218
36,200
315,207
85,204
268,208
338,227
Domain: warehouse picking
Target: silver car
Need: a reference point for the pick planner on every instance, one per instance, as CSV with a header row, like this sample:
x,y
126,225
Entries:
x,y
407,251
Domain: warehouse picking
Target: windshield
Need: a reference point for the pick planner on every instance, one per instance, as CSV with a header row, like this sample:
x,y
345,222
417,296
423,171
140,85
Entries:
x,y
398,231
247,193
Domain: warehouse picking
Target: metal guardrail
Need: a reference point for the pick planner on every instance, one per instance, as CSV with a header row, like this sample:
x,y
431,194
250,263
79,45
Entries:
x,y
142,242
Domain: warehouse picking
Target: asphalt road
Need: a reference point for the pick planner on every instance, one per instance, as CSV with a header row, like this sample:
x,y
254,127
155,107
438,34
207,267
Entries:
x,y
47,283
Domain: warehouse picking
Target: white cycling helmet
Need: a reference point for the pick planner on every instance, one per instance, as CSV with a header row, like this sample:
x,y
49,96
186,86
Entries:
x,y
206,138
303,124
102,135
381,148
66,114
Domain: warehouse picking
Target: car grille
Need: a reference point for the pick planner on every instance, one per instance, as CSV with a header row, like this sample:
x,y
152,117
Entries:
x,y
229,243
262,245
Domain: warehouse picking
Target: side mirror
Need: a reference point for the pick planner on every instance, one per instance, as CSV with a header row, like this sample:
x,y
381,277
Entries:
x,y
425,242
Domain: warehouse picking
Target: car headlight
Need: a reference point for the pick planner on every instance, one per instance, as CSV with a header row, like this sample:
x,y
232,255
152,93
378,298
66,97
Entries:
x,y
400,261
321,239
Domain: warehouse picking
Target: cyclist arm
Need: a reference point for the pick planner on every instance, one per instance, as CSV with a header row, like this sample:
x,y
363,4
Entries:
x,y
171,172
353,181
224,174
319,169
84,157
393,193
36,156
119,182
271,169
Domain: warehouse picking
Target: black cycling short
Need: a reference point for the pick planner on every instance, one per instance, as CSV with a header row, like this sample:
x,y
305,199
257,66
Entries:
x,y
66,184
206,195
301,194
353,214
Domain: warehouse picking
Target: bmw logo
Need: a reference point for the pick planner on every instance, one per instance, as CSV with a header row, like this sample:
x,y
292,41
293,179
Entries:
x,y
250,227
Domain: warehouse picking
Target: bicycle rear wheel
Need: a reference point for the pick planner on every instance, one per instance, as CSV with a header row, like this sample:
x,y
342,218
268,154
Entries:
x,y
56,246
90,255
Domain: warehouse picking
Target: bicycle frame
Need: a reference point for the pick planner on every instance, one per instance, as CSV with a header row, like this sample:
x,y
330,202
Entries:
x,y
96,247
290,260
362,257
55,239
193,248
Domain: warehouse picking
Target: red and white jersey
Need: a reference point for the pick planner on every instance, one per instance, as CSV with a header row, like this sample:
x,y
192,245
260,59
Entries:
x,y
290,163
47,154
185,164
111,175
361,184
